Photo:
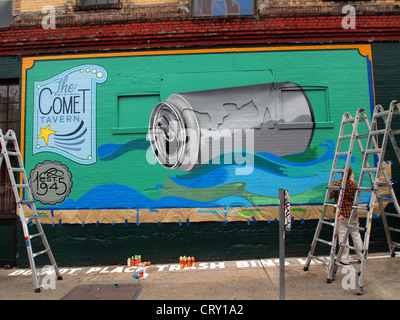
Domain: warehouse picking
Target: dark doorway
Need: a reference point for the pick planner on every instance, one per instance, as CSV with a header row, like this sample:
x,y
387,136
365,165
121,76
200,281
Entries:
x,y
9,119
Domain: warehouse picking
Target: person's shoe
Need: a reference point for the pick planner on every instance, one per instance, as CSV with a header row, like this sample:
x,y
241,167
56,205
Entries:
x,y
344,262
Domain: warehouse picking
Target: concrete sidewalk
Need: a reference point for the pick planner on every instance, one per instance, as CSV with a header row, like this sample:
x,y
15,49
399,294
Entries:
x,y
221,280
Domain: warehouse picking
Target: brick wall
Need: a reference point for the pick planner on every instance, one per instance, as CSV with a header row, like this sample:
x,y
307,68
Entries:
x,y
29,12
143,34
163,25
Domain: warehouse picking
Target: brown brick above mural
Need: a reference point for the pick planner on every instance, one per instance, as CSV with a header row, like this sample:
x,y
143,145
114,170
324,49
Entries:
x,y
196,32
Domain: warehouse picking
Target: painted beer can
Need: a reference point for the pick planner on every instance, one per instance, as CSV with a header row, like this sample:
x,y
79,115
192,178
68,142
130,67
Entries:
x,y
189,129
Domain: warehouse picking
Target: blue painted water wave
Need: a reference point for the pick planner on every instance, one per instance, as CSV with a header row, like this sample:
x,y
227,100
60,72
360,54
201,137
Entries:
x,y
297,173
116,196
111,151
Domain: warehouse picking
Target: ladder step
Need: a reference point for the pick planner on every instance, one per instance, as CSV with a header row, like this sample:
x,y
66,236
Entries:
x,y
40,252
36,235
351,247
384,184
8,138
17,169
373,151
334,187
394,229
323,241
361,208
355,227
337,170
363,136
386,199
369,169
346,136
328,204
369,189
27,201
376,132
22,185
13,153
332,224
395,215
381,113
31,218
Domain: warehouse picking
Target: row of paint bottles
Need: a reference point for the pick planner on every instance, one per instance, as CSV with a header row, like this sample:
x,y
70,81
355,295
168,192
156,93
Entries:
x,y
186,262
134,261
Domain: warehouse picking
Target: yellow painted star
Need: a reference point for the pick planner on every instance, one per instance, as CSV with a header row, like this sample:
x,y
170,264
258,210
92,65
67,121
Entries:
x,y
45,134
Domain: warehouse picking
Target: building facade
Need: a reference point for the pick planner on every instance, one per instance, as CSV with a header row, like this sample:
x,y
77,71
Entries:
x,y
143,115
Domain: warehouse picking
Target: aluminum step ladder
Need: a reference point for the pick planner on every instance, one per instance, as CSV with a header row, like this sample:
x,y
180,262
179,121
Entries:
x,y
10,151
340,151
374,173
388,230
391,198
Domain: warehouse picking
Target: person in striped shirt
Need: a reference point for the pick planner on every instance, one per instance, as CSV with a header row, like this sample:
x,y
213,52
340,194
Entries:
x,y
345,212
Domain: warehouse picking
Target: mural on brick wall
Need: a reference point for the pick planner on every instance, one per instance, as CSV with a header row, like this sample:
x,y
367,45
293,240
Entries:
x,y
206,135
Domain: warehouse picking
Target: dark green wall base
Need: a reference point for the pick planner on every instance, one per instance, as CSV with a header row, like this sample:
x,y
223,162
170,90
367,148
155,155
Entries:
x,y
76,245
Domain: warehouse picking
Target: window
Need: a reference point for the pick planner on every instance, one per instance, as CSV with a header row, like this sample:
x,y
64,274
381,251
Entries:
x,y
6,16
9,106
319,100
97,4
210,8
133,112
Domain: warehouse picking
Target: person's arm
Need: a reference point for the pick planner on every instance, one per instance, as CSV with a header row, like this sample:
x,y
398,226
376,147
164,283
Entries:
x,y
334,193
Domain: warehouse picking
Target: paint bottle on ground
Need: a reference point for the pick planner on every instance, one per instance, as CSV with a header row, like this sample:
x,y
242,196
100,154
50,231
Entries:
x,y
128,262
139,259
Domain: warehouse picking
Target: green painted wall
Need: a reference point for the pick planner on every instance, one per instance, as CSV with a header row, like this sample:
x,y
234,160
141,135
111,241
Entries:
x,y
121,176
